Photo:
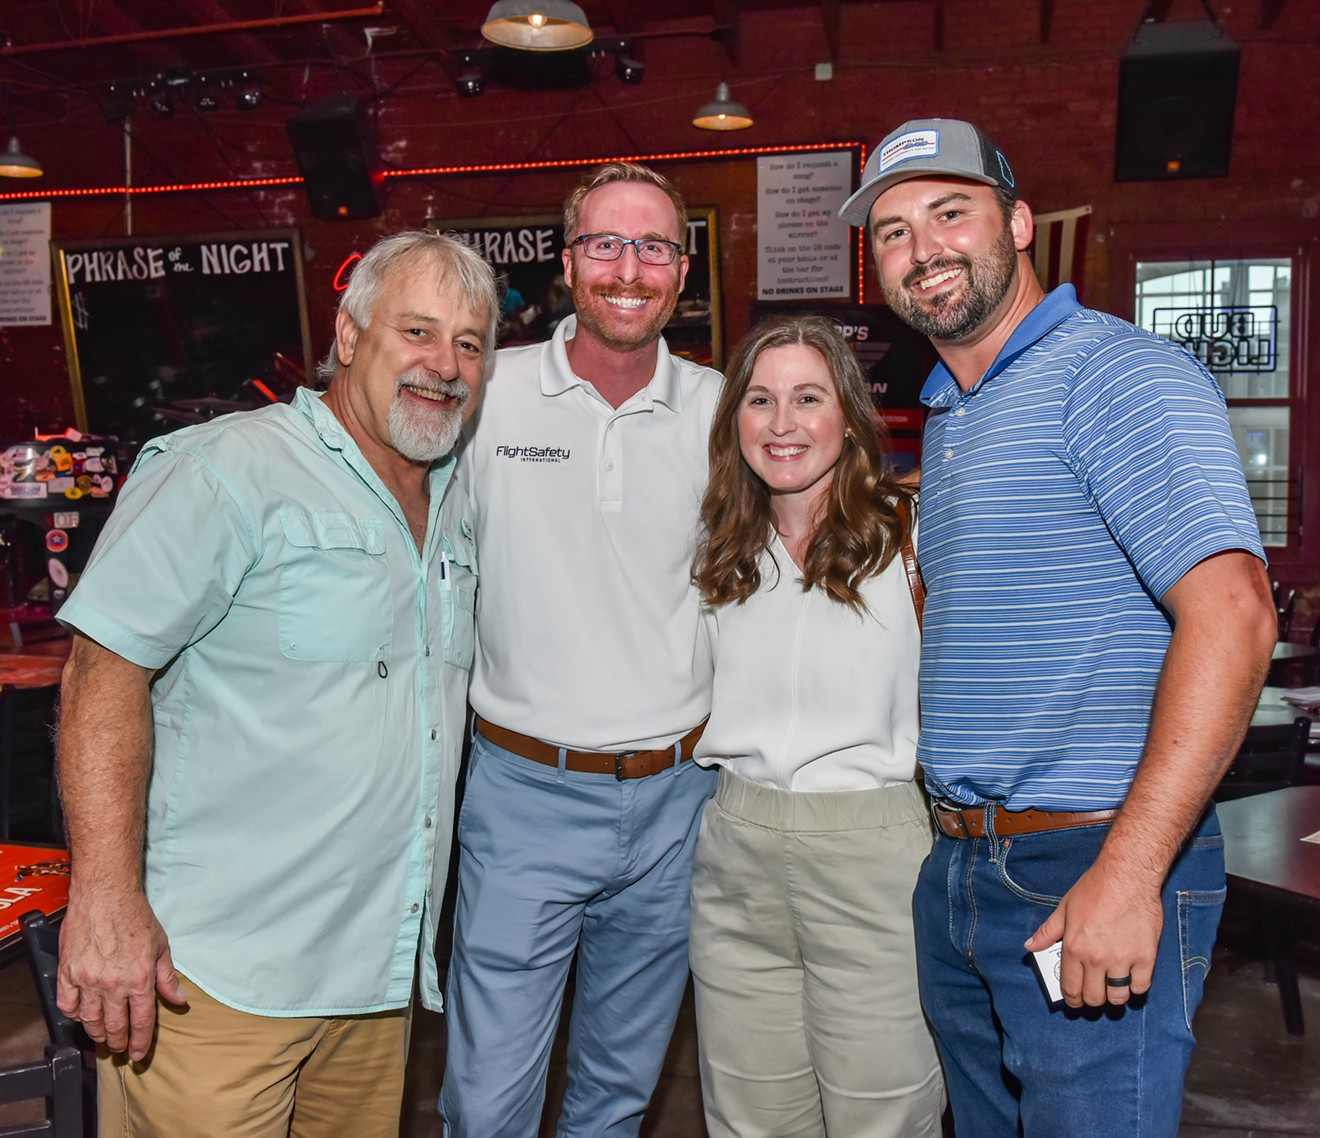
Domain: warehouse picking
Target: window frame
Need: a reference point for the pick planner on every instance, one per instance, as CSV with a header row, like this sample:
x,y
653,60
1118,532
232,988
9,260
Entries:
x,y
1213,242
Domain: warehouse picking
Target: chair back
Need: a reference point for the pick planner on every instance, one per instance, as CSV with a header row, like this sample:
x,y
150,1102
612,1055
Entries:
x,y
1270,758
42,940
1286,612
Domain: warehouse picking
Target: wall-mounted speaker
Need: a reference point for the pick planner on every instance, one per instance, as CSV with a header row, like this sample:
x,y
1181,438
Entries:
x,y
337,156
1177,91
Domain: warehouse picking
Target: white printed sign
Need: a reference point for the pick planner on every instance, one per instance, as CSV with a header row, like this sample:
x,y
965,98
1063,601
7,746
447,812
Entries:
x,y
803,246
25,263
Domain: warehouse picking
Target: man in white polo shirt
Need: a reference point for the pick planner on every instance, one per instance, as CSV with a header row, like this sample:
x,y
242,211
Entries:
x,y
586,468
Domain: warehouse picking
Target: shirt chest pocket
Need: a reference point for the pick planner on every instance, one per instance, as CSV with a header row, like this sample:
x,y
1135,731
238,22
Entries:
x,y
459,630
335,597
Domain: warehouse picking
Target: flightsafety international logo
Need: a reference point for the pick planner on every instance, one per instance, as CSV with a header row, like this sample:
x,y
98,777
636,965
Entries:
x,y
533,453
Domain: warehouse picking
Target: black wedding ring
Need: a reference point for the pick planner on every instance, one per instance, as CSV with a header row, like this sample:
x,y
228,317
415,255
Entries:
x,y
1119,981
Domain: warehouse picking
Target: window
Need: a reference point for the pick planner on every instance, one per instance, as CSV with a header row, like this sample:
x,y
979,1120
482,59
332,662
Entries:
x,y
1235,316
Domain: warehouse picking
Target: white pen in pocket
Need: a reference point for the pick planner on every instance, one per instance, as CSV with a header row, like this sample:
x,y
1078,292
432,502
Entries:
x,y
444,569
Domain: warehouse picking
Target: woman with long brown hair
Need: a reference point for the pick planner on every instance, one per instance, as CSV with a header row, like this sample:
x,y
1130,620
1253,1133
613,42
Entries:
x,y
802,950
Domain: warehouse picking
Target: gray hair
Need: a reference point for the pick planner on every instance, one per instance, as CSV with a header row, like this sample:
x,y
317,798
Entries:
x,y
470,277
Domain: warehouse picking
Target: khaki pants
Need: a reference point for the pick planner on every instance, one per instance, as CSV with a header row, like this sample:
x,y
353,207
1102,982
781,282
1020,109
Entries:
x,y
804,966
214,1072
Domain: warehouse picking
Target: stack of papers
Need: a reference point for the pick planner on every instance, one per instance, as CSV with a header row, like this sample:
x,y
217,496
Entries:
x,y
1305,699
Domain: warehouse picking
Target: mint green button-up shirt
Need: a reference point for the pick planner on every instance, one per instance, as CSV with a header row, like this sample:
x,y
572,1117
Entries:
x,y
311,670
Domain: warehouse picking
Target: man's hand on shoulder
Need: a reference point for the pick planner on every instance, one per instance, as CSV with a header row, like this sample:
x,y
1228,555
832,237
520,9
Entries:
x,y
114,959
1110,924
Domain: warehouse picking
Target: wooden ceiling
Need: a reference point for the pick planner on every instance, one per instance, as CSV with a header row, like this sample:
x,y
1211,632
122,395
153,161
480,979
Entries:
x,y
57,55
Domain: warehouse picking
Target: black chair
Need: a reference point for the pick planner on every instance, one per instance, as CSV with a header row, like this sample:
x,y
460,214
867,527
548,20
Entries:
x,y
62,1077
29,799
1286,611
42,940
1270,758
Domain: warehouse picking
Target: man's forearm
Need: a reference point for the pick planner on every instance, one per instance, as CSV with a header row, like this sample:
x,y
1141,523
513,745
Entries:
x,y
104,757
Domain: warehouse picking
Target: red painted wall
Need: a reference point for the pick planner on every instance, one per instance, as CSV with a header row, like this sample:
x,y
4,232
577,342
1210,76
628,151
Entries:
x,y
1051,107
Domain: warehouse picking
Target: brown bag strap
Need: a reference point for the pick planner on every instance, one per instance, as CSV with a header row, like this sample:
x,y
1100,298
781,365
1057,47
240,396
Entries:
x,y
909,555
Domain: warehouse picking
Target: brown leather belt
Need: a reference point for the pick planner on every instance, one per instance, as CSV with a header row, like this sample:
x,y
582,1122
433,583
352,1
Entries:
x,y
969,821
621,764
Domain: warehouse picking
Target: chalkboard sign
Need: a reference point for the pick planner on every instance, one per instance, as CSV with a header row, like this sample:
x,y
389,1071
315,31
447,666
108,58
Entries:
x,y
155,324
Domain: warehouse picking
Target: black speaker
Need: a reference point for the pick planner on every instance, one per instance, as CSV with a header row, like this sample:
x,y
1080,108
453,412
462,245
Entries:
x,y
1177,91
337,157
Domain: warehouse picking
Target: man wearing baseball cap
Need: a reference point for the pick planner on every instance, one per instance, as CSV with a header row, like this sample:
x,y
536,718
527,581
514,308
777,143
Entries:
x,y
1097,630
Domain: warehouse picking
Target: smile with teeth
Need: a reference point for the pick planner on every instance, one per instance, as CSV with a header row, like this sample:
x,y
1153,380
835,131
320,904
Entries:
x,y
626,301
427,393
785,451
938,278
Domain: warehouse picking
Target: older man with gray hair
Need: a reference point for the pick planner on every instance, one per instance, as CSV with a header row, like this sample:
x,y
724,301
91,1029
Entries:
x,y
265,697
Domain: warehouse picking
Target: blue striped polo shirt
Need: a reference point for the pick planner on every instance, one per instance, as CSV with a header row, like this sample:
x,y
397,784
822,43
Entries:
x,y
1082,476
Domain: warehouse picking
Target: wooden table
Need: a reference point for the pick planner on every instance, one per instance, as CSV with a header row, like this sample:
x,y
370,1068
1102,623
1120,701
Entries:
x,y
1265,855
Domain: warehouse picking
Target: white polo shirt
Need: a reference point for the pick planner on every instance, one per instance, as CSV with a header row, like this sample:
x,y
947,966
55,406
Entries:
x,y
809,694
588,626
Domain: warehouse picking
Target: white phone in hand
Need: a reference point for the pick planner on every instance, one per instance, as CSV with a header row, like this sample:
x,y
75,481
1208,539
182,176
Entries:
x,y
1049,962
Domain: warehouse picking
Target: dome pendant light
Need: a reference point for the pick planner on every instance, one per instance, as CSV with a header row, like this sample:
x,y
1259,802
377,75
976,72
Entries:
x,y
723,113
15,164
537,25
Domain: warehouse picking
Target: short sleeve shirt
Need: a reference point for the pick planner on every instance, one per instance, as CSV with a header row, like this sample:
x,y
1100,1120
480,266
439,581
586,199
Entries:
x,y
1061,497
588,623
311,667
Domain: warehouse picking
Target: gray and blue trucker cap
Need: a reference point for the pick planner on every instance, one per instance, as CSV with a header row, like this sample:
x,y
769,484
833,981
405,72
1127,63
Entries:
x,y
924,147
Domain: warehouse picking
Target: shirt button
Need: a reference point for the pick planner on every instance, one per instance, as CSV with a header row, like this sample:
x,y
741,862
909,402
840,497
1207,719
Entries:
x,y
961,412
609,466
428,649
432,734
428,821
415,907
948,453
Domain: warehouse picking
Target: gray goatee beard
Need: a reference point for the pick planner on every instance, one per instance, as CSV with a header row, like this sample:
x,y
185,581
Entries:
x,y
424,434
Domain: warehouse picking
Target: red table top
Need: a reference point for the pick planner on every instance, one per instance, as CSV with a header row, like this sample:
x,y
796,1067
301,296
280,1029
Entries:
x,y
23,671
31,877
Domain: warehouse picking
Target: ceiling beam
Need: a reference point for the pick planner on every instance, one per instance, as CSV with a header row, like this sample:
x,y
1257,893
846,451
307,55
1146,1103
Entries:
x,y
144,35
1046,20
725,13
432,32
245,47
1269,12
623,17
829,18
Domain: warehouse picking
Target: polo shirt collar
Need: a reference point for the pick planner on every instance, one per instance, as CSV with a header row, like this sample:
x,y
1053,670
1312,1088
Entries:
x,y
941,389
557,375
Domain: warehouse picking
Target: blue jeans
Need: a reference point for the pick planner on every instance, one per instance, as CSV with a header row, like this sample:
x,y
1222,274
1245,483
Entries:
x,y
552,862
1014,1064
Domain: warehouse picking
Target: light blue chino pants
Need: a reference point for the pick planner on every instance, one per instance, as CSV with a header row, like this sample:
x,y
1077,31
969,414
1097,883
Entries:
x,y
552,862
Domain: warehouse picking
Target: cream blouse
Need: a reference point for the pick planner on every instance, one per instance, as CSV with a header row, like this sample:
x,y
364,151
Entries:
x,y
810,695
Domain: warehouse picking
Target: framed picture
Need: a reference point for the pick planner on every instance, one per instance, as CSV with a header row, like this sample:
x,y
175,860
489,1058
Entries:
x,y
526,252
161,330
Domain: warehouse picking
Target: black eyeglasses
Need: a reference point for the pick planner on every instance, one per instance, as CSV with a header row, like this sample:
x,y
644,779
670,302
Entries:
x,y
610,246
